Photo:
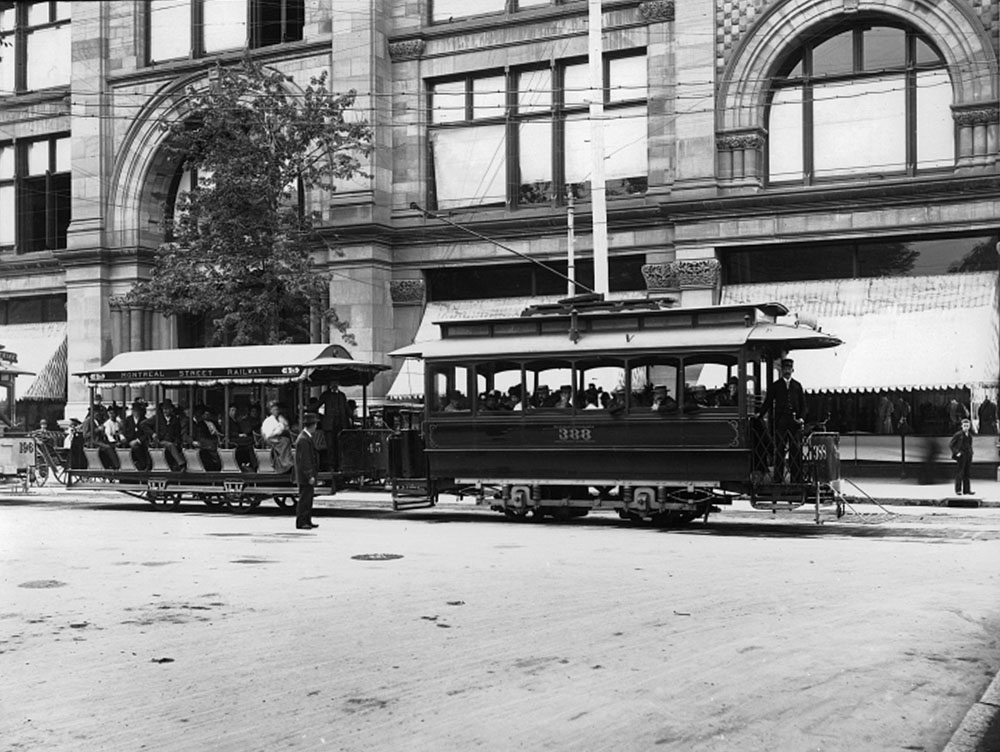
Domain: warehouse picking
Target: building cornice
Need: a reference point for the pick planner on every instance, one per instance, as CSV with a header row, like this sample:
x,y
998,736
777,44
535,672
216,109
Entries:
x,y
820,199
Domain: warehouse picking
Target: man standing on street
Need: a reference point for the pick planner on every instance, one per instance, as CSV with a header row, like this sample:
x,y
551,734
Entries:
x,y
306,465
961,451
785,404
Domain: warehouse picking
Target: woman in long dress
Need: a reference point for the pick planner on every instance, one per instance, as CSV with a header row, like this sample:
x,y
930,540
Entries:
x,y
275,431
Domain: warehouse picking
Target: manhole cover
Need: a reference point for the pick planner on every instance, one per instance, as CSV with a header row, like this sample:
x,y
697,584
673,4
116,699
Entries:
x,y
376,557
42,584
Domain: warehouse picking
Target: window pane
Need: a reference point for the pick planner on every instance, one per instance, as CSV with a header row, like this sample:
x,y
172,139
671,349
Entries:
x,y
470,166
63,11
884,48
38,157
6,215
935,127
60,205
33,212
38,13
926,54
49,57
576,85
532,3
654,385
550,385
448,102
225,24
600,385
169,29
446,10
6,162
449,389
62,154
7,19
535,144
577,150
627,78
860,127
786,264
784,139
489,97
834,56
534,91
499,388
625,165
7,66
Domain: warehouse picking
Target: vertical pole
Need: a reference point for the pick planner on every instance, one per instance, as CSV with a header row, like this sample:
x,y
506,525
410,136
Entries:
x,y
597,191
570,244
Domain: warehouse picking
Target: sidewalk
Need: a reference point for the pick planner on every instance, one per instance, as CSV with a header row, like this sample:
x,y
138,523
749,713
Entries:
x,y
908,491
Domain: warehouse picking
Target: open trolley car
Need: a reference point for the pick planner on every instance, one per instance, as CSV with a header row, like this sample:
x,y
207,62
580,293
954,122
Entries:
x,y
216,378
655,414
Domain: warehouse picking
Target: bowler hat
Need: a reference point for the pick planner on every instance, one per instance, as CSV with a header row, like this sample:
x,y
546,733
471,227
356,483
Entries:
x,y
310,419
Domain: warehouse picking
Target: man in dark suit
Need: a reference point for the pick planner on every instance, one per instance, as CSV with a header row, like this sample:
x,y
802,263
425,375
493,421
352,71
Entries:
x,y
785,404
306,467
138,432
961,452
336,417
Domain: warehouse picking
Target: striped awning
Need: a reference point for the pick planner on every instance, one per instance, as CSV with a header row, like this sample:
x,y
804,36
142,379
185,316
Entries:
x,y
936,332
41,355
50,383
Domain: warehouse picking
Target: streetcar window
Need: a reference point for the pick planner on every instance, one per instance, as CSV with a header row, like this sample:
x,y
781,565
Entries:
x,y
707,381
653,384
499,387
549,384
449,389
600,384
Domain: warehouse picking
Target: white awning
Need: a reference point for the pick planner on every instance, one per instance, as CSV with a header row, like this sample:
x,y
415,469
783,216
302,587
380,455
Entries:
x,y
899,332
409,382
38,347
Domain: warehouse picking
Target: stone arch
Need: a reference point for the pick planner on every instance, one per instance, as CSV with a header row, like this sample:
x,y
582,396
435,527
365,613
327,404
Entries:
x,y
955,30
144,171
958,34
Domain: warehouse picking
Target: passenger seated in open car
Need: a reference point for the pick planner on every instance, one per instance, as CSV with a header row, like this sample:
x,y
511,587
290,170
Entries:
x,y
206,439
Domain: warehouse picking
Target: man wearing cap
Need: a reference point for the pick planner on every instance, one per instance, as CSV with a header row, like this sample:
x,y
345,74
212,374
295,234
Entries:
x,y
961,451
785,404
306,466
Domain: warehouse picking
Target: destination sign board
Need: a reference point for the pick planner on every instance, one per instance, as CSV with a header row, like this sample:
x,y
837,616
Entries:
x,y
8,357
186,374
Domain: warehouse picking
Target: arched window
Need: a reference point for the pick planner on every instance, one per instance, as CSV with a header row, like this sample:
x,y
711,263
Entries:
x,y
869,99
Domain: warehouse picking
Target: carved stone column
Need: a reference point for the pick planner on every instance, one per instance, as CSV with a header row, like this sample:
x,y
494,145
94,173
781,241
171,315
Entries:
x,y
656,11
978,134
406,292
136,328
116,304
739,157
661,278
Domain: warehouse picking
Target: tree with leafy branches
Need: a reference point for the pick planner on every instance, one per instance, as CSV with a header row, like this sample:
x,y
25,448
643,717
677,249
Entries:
x,y
241,245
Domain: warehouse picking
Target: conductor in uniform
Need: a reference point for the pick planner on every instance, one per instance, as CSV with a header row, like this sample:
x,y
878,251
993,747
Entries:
x,y
786,405
306,467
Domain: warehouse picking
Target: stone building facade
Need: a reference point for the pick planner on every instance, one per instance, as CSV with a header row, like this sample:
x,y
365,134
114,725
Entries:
x,y
856,138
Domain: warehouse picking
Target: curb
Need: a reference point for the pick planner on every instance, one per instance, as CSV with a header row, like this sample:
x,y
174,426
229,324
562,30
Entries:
x,y
978,722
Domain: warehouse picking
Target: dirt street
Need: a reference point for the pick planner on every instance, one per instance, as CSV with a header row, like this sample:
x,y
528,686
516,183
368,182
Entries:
x,y
126,628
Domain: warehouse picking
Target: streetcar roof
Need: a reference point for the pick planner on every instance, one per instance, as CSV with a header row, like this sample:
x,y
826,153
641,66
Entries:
x,y
249,364
782,336
598,326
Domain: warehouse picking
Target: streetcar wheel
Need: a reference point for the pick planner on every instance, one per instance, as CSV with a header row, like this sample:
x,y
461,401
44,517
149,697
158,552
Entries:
x,y
40,474
285,502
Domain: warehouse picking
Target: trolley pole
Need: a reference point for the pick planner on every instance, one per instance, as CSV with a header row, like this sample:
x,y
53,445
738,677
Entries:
x,y
570,241
597,191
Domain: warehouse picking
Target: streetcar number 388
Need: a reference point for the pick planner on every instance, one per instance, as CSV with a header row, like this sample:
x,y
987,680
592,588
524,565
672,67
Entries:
x,y
574,433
